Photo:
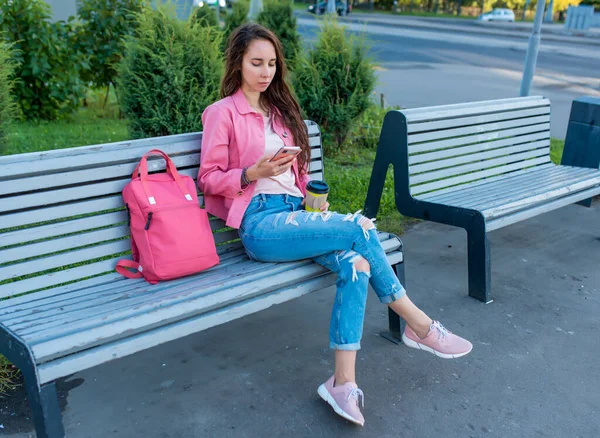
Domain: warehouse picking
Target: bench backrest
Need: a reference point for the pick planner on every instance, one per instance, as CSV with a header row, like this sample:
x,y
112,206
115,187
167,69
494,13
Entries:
x,y
456,144
61,211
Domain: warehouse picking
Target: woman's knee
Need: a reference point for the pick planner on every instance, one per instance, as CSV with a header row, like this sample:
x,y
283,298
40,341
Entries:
x,y
362,265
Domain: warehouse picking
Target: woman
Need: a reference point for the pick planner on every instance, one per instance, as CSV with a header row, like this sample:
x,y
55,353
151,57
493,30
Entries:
x,y
255,117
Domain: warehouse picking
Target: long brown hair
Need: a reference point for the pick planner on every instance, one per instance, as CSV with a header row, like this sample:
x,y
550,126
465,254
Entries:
x,y
278,95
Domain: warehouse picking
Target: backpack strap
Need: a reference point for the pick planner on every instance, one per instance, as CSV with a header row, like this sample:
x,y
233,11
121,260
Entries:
x,y
123,265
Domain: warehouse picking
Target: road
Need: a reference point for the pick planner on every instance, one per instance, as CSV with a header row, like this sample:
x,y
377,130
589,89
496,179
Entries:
x,y
423,67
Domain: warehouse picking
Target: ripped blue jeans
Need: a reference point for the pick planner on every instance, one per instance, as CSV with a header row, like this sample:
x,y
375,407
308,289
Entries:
x,y
276,228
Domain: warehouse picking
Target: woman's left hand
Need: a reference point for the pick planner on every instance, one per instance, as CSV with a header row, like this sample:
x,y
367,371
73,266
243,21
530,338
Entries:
x,y
325,206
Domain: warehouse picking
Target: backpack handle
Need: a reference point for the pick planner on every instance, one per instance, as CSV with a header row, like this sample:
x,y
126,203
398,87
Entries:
x,y
142,167
143,164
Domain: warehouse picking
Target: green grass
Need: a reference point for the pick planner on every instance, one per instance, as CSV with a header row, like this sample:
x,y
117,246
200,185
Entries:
x,y
556,150
8,375
91,125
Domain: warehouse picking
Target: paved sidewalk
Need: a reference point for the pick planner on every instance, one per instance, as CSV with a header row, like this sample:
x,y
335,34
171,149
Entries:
x,y
533,370
550,32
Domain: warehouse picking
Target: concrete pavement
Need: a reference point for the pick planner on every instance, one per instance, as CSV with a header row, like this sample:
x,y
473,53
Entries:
x,y
533,370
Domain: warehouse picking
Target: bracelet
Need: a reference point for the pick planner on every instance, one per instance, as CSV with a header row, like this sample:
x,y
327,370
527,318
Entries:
x,y
244,177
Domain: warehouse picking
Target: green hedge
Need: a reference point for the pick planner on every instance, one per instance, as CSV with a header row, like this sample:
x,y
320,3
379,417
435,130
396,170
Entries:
x,y
170,73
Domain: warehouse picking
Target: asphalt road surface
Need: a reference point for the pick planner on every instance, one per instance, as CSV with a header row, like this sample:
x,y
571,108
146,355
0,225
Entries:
x,y
428,67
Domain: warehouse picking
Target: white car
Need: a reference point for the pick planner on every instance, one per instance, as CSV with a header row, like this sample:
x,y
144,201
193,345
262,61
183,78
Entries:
x,y
200,3
498,14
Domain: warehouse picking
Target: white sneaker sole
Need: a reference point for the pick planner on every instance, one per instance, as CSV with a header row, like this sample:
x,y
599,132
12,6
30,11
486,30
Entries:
x,y
325,395
412,344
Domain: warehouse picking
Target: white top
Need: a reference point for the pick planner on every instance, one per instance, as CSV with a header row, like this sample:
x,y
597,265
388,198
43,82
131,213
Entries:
x,y
280,184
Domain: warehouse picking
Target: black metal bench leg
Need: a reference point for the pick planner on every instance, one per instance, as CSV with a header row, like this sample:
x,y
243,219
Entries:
x,y
396,324
43,402
479,265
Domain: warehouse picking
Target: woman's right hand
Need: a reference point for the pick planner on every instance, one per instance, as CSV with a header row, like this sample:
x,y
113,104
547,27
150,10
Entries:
x,y
264,168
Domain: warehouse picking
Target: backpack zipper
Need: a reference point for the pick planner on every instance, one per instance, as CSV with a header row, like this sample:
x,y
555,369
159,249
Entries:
x,y
148,221
128,215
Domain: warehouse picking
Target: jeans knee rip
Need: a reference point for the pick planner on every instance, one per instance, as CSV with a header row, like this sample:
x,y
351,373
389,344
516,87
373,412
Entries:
x,y
292,217
352,257
366,223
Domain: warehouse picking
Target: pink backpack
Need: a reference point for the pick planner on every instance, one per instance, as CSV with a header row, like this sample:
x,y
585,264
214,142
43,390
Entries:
x,y
170,234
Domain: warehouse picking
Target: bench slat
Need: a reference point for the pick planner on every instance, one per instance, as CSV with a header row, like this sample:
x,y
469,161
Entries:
x,y
541,198
466,110
518,158
423,188
64,259
111,306
58,277
104,301
31,301
471,104
86,334
60,228
47,180
67,227
476,129
495,185
62,244
532,212
414,128
69,300
66,366
114,350
440,195
62,211
70,194
479,147
496,194
36,163
313,129
479,138
127,322
539,148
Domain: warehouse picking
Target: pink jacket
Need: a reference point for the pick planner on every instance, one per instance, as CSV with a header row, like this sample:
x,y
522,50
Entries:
x,y
234,138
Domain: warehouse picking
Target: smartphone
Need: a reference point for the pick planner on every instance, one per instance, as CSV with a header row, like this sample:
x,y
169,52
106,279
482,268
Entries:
x,y
286,151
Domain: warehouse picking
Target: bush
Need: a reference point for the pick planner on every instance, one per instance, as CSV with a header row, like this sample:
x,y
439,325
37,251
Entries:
x,y
279,18
234,19
334,81
206,16
105,24
365,132
170,73
7,106
48,69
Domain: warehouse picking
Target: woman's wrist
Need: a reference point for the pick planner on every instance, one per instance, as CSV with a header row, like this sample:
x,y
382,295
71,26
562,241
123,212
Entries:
x,y
250,174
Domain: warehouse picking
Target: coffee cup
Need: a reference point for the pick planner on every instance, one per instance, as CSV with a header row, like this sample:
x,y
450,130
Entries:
x,y
316,195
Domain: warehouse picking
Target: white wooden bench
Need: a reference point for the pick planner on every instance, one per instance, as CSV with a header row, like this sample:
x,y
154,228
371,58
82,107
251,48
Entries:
x,y
480,166
63,309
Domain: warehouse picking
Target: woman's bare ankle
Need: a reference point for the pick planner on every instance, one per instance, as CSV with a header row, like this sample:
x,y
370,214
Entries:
x,y
341,379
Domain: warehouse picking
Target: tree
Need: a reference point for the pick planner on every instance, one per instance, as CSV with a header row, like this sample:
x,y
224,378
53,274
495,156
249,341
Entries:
x,y
170,73
334,82
48,67
105,24
279,18
7,106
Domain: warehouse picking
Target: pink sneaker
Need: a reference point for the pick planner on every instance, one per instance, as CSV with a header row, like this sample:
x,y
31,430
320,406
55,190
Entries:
x,y
343,399
439,341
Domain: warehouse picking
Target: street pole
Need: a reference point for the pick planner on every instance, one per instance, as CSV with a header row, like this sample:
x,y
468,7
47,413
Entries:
x,y
256,7
331,7
549,12
532,50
